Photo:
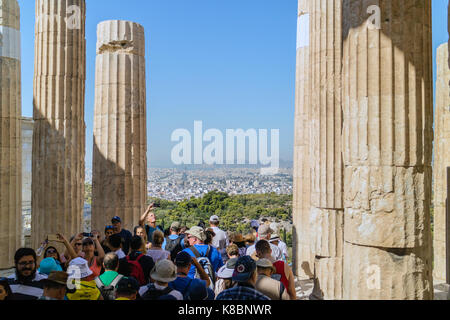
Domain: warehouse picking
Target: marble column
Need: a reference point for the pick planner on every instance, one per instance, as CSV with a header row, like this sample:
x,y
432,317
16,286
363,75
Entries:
x,y
59,128
10,133
303,257
441,162
387,149
326,213
120,146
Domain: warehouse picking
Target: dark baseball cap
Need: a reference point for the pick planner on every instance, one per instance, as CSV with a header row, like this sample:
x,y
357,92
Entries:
x,y
183,258
116,219
244,269
127,285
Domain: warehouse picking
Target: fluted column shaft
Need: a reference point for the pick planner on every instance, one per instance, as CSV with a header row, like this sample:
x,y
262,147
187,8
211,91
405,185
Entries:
x,y
10,133
303,257
59,128
387,138
120,146
326,216
441,161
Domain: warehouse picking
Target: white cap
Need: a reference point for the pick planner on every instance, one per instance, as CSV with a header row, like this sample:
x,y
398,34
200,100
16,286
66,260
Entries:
x,y
214,218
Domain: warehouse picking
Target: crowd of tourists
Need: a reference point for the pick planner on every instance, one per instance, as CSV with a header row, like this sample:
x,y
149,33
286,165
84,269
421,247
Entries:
x,y
200,263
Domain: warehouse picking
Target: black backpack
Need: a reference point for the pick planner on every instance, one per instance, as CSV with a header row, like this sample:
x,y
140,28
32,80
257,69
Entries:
x,y
154,294
108,292
174,246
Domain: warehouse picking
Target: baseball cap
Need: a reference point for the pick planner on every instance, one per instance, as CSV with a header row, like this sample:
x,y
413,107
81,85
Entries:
x,y
197,291
264,230
48,265
254,224
197,232
117,219
183,258
214,218
244,269
127,285
265,263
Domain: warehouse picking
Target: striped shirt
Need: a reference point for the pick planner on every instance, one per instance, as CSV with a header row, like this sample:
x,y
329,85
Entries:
x,y
30,290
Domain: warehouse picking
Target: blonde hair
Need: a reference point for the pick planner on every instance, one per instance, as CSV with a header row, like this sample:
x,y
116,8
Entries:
x,y
158,238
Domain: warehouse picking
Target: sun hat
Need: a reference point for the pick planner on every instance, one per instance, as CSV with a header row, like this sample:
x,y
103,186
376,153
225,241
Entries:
x,y
79,269
197,232
59,277
164,271
214,218
265,263
264,230
48,265
274,237
226,272
244,269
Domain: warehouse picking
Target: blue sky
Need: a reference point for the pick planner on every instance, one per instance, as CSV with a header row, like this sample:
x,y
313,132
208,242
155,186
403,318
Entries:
x,y
228,63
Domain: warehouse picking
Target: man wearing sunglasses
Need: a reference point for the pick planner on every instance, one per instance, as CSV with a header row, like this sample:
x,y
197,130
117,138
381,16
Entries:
x,y
26,282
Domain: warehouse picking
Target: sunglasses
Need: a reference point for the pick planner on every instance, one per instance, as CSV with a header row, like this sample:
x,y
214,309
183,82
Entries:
x,y
78,244
109,228
51,251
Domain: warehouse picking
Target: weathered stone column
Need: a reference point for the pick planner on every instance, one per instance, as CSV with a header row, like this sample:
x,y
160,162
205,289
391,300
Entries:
x,y
326,216
10,135
441,161
59,128
387,139
303,257
120,145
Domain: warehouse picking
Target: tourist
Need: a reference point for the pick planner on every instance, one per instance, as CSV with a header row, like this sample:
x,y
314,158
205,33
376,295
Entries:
x,y
275,240
26,283
245,275
83,281
115,242
48,265
265,233
55,286
239,241
210,234
225,276
146,262
191,289
174,243
140,231
233,251
220,241
250,240
196,237
52,252
77,246
124,234
127,289
156,252
89,247
5,290
107,281
109,231
163,273
148,221
272,288
264,251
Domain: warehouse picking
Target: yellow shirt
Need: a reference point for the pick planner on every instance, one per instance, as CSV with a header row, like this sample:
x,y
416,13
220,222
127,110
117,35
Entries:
x,y
88,291
123,298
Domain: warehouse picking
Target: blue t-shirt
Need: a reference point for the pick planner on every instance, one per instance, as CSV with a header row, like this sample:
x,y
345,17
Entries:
x,y
183,284
172,237
214,257
150,230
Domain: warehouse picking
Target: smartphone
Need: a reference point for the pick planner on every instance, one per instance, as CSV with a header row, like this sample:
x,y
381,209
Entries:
x,y
156,205
87,235
53,237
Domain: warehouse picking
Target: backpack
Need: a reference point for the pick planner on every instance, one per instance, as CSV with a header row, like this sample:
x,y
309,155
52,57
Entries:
x,y
206,264
108,292
154,294
174,246
136,270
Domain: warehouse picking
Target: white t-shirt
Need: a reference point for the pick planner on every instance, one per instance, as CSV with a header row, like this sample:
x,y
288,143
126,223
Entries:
x,y
158,255
283,248
220,240
276,252
120,254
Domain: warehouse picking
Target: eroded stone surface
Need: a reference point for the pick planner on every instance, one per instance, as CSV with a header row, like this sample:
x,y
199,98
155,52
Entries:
x,y
119,159
10,132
